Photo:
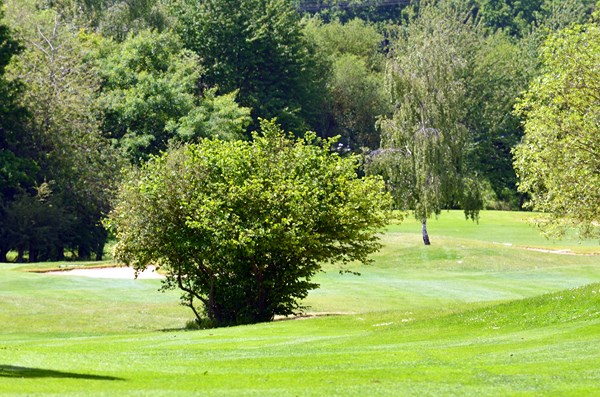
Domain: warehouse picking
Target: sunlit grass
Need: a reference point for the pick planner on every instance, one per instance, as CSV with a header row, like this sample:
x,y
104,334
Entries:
x,y
499,227
474,314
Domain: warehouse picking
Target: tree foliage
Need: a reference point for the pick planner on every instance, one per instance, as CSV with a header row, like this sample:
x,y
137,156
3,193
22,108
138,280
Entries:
x,y
258,48
150,95
356,93
76,168
425,144
501,70
518,18
346,10
115,19
87,83
558,161
17,163
13,169
121,18
242,227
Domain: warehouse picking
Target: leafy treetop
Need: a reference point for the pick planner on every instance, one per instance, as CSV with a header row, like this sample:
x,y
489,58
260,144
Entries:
x,y
558,161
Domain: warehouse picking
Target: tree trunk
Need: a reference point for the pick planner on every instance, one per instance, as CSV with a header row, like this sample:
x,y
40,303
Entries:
x,y
84,252
425,235
21,254
101,235
59,253
33,257
3,255
99,251
260,309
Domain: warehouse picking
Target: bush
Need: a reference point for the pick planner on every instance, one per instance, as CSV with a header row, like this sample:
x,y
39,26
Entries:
x,y
242,227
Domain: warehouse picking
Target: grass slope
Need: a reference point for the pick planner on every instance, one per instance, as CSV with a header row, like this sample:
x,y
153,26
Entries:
x,y
467,316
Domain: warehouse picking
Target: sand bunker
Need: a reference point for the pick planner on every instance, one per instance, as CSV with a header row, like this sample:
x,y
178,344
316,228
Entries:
x,y
110,272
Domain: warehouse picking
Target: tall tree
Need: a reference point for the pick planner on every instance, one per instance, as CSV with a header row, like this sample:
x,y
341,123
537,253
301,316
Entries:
x,y
77,167
256,46
149,95
17,158
356,93
425,143
502,69
558,161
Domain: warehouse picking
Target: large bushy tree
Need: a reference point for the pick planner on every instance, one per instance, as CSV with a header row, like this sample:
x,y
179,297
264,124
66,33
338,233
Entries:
x,y
242,227
558,161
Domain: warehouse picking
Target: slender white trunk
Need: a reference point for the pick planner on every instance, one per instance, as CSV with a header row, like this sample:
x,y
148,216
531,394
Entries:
x,y
425,235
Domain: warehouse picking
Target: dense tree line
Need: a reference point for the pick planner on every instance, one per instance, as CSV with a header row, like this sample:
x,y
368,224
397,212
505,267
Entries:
x,y
425,88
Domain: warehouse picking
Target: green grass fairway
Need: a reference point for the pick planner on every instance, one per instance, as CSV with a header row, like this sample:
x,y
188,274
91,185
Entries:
x,y
485,311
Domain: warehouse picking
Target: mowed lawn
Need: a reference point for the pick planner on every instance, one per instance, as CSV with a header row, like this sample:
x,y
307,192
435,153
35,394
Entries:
x,y
486,310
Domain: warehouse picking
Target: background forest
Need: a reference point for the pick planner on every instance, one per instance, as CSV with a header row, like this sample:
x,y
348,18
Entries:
x,y
92,87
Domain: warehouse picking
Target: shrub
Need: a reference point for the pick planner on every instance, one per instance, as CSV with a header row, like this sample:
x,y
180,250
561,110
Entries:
x,y
242,227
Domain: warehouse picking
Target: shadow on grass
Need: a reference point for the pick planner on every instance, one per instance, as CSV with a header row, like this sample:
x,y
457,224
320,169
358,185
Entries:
x,y
11,371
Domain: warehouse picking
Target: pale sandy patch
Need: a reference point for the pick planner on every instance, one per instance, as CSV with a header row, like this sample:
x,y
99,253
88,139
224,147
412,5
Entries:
x,y
110,272
561,252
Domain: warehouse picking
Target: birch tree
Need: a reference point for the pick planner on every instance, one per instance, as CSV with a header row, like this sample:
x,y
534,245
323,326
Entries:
x,y
425,143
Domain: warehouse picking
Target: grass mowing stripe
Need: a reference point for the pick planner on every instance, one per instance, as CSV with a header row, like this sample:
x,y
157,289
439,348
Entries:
x,y
440,320
437,364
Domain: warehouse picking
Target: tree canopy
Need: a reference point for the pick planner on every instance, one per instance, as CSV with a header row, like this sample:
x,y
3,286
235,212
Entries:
x,y
150,95
70,192
242,227
257,47
356,85
89,86
17,164
558,161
